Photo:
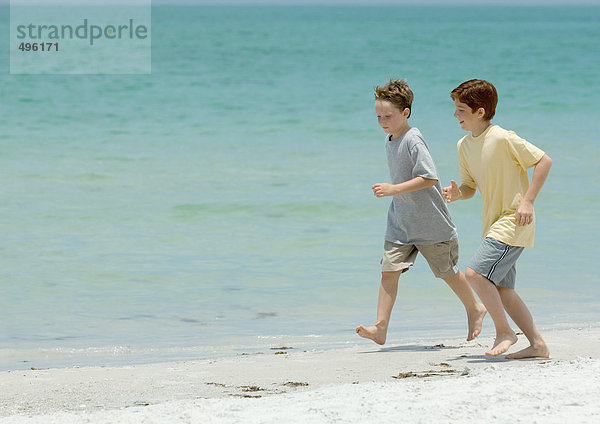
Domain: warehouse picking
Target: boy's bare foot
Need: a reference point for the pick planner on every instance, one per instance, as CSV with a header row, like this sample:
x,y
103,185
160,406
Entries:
x,y
502,343
538,350
476,322
375,333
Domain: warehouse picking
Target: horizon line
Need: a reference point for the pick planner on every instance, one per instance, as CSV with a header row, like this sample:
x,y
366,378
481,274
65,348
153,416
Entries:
x,y
475,3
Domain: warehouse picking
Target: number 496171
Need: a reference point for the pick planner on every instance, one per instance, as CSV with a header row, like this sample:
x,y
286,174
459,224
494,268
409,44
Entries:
x,y
42,47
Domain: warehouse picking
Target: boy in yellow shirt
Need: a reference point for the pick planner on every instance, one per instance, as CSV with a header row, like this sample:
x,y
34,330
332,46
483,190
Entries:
x,y
495,161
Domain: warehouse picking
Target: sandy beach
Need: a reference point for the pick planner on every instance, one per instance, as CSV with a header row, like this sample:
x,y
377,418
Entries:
x,y
450,381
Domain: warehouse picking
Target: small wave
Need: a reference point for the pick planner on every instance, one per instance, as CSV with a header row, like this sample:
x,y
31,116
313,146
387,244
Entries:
x,y
324,211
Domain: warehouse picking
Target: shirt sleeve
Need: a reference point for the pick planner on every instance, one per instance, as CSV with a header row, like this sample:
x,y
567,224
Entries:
x,y
465,174
423,165
522,151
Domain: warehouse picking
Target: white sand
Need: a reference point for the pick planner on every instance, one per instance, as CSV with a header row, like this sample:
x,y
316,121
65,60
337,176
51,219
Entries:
x,y
345,386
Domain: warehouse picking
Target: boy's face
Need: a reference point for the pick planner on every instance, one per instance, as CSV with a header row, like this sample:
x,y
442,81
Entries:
x,y
468,120
390,118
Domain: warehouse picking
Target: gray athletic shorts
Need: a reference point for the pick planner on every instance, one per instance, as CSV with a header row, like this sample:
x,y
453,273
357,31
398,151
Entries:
x,y
441,257
496,261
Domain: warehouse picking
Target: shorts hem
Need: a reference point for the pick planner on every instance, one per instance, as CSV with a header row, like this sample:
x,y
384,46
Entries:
x,y
400,267
448,274
484,275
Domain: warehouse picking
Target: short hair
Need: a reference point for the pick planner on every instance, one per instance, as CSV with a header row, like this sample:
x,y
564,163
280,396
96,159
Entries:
x,y
477,93
397,92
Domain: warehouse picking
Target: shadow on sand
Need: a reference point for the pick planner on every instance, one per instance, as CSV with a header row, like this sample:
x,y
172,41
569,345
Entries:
x,y
412,348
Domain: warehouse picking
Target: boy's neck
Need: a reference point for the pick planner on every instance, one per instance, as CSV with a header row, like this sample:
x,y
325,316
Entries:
x,y
401,131
483,125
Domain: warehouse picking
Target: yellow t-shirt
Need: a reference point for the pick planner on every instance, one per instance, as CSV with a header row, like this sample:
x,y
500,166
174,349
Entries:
x,y
496,163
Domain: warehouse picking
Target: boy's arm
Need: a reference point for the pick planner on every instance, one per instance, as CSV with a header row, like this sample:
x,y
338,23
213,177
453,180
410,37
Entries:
x,y
454,192
417,183
524,214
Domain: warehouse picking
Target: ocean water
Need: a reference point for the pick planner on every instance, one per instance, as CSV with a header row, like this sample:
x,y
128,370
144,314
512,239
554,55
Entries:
x,y
222,204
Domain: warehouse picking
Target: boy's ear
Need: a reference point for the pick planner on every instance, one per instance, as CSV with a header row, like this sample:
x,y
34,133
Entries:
x,y
406,112
481,112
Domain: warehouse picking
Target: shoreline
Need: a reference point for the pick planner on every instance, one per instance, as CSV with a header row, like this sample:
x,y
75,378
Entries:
x,y
296,378
115,356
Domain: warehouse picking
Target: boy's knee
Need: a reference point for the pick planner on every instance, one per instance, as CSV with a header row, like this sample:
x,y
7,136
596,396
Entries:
x,y
473,277
506,290
476,279
470,274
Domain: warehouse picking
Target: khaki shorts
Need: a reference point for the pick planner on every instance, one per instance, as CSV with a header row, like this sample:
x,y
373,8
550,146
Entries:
x,y
442,257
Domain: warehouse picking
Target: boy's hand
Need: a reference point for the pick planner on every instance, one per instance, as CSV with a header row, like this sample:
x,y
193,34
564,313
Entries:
x,y
524,214
452,193
383,189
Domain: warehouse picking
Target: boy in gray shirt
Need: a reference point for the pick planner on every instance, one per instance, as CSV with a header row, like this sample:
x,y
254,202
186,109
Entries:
x,y
418,218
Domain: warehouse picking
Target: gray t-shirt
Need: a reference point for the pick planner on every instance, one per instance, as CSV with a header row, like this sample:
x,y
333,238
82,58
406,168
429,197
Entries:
x,y
419,217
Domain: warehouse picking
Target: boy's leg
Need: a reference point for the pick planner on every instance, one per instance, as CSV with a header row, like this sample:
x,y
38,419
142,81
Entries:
x,y
475,310
520,314
396,259
387,296
489,295
443,258
491,267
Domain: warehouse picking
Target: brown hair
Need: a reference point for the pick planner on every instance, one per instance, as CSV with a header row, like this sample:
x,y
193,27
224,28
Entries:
x,y
477,93
397,92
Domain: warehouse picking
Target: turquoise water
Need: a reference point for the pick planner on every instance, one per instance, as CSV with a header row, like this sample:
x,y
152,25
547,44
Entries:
x,y
222,204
